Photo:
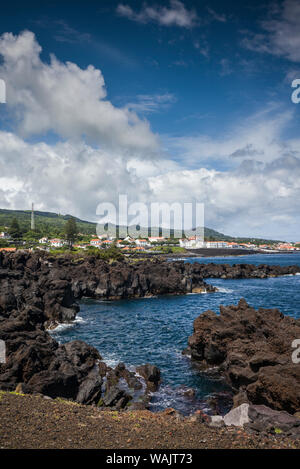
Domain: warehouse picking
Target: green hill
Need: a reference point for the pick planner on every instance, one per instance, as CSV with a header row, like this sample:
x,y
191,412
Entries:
x,y
52,224
47,223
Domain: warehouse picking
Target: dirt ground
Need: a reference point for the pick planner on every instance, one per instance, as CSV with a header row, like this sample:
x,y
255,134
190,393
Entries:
x,y
30,421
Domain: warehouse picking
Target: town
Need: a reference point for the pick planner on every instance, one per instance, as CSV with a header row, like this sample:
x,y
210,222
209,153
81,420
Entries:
x,y
45,231
151,244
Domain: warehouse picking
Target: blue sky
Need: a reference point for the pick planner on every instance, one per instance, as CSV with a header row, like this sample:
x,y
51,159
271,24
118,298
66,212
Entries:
x,y
195,102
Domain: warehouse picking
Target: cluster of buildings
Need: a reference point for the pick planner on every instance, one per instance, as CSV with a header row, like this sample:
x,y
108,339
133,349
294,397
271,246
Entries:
x,y
195,243
104,241
138,244
126,244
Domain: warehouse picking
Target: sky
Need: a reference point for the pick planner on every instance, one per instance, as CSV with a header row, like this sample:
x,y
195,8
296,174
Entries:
x,y
168,102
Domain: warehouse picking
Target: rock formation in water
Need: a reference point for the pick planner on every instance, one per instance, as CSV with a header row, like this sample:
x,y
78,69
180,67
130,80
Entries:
x,y
36,363
36,292
253,351
237,271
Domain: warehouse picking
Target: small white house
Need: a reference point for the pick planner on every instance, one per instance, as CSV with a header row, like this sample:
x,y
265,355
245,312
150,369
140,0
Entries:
x,y
96,243
43,240
142,243
129,239
191,243
4,235
156,239
57,243
216,244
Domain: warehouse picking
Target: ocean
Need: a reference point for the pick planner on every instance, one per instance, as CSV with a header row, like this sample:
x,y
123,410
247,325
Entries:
x,y
155,330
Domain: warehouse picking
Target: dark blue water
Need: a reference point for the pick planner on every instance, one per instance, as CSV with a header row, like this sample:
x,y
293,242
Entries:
x,y
156,330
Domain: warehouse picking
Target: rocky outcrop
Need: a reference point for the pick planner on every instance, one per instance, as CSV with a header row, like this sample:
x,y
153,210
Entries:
x,y
260,419
33,294
36,363
151,374
253,351
54,284
237,271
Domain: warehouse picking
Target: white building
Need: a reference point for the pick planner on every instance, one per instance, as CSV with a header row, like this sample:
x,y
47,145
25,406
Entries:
x,y
216,244
142,243
96,243
43,240
4,235
129,239
57,243
156,239
192,243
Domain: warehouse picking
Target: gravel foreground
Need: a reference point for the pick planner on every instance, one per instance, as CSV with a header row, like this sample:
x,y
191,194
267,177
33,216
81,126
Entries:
x,y
33,422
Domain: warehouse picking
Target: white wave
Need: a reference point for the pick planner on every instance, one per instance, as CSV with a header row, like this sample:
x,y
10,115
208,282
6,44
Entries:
x,y
60,328
79,320
224,290
198,293
66,325
111,361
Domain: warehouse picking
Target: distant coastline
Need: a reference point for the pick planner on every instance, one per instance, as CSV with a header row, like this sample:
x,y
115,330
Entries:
x,y
212,252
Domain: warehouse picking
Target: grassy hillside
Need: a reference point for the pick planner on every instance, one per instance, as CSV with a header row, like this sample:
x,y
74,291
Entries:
x,y
45,222
52,224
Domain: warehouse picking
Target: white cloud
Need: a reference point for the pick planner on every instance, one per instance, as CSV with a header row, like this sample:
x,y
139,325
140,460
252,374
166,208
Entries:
x,y
259,136
67,177
281,34
66,99
174,15
254,190
246,201
217,16
146,103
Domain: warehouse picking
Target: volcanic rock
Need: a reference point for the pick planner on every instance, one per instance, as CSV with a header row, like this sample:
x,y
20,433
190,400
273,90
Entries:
x,y
252,349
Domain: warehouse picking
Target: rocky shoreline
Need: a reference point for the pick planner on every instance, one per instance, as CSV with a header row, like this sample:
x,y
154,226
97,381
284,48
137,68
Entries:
x,y
251,349
38,292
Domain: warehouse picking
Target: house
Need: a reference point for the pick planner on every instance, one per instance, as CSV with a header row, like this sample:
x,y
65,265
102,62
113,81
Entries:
x,y
129,239
57,243
216,244
286,247
8,249
142,242
103,236
233,245
43,240
4,235
119,243
191,243
107,243
156,239
96,243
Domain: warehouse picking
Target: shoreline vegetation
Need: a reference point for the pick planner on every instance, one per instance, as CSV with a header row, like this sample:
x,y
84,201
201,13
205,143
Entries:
x,y
39,290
